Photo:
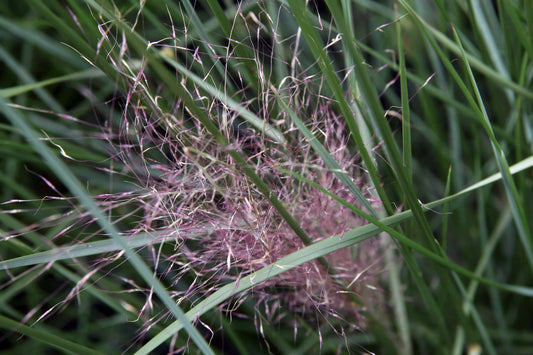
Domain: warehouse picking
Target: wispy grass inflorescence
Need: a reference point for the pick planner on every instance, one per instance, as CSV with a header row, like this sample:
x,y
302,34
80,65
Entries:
x,y
226,229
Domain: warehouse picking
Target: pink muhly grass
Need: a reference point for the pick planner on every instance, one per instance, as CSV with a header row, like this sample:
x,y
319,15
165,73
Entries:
x,y
226,229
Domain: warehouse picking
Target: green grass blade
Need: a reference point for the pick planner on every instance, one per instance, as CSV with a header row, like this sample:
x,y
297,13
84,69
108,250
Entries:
x,y
22,89
445,212
521,221
78,251
487,34
406,112
55,341
476,63
529,18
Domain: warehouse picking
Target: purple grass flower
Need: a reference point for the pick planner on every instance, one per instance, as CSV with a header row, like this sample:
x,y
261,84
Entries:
x,y
226,229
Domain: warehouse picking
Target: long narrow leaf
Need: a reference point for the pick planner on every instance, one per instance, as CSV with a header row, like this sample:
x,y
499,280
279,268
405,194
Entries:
x,y
45,337
521,222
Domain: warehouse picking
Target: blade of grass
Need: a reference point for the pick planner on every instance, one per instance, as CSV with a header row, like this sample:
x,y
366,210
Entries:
x,y
366,134
46,337
78,251
475,62
519,216
22,89
406,117
394,278
498,305
445,213
485,31
529,18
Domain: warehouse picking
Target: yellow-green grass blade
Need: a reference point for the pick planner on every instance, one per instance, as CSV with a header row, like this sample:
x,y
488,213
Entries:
x,y
22,89
82,250
521,222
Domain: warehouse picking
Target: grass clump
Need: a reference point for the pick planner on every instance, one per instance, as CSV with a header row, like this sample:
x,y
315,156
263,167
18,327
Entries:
x,y
266,177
